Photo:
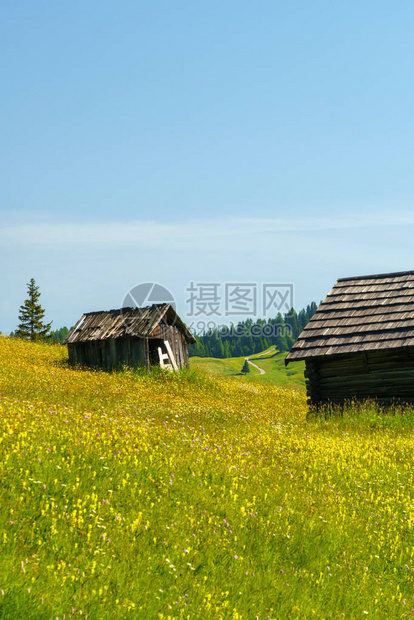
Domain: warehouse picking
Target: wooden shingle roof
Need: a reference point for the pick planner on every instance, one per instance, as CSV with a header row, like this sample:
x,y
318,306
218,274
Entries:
x,y
126,322
365,313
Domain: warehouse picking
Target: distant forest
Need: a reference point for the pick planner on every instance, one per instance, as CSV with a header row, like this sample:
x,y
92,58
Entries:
x,y
249,337
59,335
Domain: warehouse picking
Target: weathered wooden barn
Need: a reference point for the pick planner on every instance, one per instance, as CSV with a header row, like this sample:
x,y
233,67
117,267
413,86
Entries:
x,y
360,342
146,337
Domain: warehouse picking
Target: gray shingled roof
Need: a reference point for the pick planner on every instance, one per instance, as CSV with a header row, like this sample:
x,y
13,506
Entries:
x,y
125,322
365,313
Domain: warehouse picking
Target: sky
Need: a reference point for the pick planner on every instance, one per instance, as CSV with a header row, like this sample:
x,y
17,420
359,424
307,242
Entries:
x,y
206,142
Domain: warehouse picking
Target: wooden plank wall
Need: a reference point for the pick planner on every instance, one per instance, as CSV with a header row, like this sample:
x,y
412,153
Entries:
x,y
115,352
386,376
110,353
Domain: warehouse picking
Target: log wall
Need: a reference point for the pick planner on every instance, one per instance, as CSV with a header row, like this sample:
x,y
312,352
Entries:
x,y
386,376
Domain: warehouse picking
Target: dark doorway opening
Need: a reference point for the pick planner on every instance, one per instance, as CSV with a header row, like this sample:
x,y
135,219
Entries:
x,y
153,344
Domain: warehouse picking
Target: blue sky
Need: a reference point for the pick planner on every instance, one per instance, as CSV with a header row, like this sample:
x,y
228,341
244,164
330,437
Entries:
x,y
215,141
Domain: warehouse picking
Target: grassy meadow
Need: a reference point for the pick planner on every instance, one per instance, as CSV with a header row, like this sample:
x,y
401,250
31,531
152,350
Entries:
x,y
125,495
271,361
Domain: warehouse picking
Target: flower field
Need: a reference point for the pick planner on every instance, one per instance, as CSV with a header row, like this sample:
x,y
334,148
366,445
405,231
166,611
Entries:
x,y
124,495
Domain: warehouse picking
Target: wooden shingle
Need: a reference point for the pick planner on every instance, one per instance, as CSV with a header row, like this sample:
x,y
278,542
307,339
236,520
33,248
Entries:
x,y
367,313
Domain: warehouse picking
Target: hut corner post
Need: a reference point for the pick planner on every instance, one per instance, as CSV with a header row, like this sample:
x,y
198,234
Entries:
x,y
312,384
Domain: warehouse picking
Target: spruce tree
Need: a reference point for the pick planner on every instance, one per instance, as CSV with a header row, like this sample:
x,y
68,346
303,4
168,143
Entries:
x,y
291,319
31,316
246,367
226,348
302,319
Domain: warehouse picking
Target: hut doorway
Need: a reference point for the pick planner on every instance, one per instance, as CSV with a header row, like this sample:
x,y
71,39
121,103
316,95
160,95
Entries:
x,y
153,344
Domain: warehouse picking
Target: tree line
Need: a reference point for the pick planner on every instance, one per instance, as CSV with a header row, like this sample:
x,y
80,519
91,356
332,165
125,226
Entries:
x,y
249,337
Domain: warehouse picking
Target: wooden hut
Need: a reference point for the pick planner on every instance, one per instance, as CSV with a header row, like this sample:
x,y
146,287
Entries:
x,y
149,336
360,342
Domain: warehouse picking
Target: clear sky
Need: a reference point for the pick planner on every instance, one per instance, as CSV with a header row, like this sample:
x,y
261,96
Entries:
x,y
209,141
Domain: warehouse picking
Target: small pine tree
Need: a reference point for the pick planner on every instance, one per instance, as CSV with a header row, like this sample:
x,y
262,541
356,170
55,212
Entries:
x,y
31,316
246,367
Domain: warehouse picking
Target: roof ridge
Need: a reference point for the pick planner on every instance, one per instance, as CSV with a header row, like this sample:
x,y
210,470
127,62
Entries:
x,y
377,275
123,309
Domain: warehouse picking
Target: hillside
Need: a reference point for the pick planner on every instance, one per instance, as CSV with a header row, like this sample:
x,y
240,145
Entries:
x,y
126,495
271,361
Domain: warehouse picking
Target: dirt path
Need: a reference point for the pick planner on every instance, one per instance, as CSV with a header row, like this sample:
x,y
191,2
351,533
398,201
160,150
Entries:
x,y
266,352
262,372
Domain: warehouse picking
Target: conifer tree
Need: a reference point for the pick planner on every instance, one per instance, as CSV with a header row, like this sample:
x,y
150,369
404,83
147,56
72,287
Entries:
x,y
291,319
31,316
246,367
302,319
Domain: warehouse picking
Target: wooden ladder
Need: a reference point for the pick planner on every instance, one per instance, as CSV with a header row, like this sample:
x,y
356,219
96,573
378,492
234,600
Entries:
x,y
167,360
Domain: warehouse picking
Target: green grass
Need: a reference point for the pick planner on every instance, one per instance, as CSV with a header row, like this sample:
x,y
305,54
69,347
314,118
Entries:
x,y
272,362
189,495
